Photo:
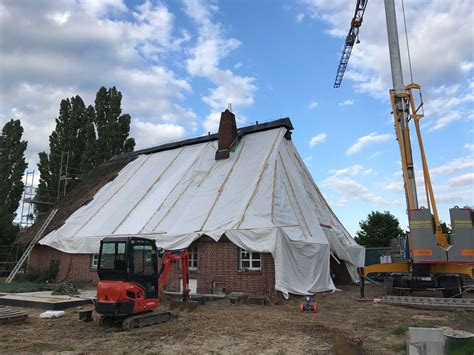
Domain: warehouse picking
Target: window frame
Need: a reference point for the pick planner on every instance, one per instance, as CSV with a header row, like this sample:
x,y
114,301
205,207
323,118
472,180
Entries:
x,y
193,258
147,251
94,261
117,252
251,259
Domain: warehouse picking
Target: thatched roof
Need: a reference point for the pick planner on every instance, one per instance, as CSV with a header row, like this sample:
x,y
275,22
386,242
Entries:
x,y
84,192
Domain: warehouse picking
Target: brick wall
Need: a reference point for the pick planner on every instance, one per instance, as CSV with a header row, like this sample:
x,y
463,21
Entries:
x,y
217,263
71,266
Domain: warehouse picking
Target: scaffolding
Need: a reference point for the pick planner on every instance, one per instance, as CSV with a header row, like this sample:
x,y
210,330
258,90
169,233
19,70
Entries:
x,y
63,175
29,192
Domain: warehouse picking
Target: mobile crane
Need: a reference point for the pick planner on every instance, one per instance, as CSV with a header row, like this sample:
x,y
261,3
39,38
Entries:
x,y
435,259
130,282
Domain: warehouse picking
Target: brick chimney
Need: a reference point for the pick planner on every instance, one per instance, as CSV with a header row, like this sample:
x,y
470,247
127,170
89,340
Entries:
x,y
227,134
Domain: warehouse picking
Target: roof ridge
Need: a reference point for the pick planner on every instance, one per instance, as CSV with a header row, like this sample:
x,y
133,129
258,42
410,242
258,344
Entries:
x,y
257,127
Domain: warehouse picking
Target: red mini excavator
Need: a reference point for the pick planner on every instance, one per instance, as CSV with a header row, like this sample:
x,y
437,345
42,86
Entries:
x,y
130,281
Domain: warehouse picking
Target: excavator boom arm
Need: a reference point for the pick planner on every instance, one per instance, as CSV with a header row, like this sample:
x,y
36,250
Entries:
x,y
167,261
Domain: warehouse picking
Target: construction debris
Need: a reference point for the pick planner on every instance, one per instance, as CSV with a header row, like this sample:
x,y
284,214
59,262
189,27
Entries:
x,y
425,341
428,302
12,316
66,289
51,314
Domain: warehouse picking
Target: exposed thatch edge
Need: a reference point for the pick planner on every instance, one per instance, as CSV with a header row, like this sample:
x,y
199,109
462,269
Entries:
x,y
80,195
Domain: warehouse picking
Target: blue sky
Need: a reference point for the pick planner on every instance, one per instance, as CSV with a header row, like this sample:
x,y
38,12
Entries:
x,y
178,64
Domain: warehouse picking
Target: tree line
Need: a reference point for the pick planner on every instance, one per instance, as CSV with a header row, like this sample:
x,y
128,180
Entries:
x,y
83,138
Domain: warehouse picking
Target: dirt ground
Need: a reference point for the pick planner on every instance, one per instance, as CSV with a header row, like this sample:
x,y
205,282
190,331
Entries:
x,y
342,323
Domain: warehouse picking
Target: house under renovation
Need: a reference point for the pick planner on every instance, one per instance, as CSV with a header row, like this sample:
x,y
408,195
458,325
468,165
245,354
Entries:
x,y
242,201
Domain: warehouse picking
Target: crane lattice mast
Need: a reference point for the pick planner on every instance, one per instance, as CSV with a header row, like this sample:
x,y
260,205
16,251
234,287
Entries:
x,y
351,39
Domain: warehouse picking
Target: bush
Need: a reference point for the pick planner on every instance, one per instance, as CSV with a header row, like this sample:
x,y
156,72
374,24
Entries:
x,y
37,275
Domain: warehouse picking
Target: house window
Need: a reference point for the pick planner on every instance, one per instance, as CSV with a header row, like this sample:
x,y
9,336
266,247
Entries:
x,y
249,260
193,257
94,261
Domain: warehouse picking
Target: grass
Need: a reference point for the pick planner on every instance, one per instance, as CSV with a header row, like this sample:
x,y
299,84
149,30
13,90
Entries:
x,y
402,329
400,348
465,349
26,286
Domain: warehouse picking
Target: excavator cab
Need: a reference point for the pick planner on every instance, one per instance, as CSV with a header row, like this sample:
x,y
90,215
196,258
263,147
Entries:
x,y
130,259
128,273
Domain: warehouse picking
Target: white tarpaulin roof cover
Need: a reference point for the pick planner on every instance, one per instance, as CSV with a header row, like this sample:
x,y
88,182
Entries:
x,y
262,198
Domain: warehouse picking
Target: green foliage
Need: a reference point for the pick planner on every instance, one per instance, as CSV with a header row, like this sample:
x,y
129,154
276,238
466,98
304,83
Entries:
x,y
445,228
25,286
91,136
12,167
112,126
464,349
402,329
378,230
38,275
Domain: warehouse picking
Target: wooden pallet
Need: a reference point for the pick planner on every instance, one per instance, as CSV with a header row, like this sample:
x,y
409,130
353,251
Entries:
x,y
12,316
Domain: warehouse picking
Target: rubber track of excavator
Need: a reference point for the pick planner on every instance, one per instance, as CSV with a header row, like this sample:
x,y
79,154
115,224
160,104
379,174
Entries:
x,y
145,319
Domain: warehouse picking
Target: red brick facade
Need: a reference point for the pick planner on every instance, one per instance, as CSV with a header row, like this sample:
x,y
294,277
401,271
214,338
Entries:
x,y
71,266
218,267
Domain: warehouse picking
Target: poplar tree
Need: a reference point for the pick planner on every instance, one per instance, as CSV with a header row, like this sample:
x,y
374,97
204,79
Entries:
x,y
66,145
112,127
12,168
85,137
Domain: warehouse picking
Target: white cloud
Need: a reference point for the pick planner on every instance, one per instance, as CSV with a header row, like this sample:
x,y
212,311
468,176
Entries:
x,y
319,138
451,103
469,147
308,160
59,18
364,141
458,198
467,66
300,17
351,171
100,8
350,190
430,22
312,105
462,180
453,166
395,186
346,103
42,64
149,134
205,61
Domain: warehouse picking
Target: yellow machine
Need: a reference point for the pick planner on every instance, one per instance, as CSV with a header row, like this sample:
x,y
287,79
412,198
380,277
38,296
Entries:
x,y
435,260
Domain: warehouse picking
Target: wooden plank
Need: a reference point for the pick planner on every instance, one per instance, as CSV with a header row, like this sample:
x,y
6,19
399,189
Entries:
x,y
9,311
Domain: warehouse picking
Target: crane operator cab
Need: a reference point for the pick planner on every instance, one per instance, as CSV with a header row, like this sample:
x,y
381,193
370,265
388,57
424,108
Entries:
x,y
128,273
